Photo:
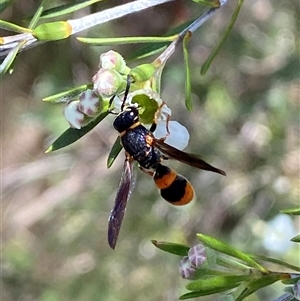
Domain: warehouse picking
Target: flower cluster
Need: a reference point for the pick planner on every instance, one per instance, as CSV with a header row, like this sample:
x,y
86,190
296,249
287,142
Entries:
x,y
107,81
109,85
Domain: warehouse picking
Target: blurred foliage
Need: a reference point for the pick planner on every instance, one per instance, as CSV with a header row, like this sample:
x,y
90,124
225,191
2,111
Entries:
x,y
245,120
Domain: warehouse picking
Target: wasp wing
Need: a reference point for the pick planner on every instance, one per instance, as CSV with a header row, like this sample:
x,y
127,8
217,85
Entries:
x,y
190,159
126,185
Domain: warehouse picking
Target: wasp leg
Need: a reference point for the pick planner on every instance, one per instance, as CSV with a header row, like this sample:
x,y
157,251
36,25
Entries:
x,y
154,124
147,171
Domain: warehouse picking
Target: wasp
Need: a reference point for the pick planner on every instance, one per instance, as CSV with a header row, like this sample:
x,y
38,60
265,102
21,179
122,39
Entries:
x,y
141,146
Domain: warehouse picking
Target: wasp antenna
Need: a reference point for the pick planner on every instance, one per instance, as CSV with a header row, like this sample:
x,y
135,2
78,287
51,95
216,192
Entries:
x,y
129,81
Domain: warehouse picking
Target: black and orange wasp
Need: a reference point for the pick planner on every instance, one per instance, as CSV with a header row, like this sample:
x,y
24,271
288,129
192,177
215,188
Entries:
x,y
141,146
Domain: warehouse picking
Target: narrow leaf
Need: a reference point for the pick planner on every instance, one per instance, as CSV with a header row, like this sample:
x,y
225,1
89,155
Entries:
x,y
208,3
188,98
200,293
67,95
114,152
67,8
6,64
255,285
293,211
126,40
4,4
230,263
71,135
296,238
217,283
196,294
13,27
229,250
157,47
37,15
276,261
218,46
172,248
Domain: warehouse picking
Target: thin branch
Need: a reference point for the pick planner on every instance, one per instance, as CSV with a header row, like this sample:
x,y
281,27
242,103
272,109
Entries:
x,y
8,43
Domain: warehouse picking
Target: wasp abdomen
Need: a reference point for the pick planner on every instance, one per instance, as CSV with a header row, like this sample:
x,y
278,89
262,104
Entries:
x,y
174,188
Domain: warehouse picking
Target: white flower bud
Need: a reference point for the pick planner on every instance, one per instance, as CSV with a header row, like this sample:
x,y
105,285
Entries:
x,y
73,115
108,82
89,103
197,255
185,268
112,60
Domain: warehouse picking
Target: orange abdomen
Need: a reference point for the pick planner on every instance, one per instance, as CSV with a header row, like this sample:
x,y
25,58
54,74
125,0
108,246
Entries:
x,y
174,188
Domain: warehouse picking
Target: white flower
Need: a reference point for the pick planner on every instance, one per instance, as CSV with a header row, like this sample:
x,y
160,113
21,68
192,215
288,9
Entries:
x,y
73,115
179,135
89,103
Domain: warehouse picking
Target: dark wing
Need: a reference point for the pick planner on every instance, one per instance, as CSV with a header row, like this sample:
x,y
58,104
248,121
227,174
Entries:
x,y
124,190
190,159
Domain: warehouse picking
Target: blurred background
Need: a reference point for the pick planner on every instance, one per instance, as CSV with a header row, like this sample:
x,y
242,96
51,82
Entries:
x,y
245,121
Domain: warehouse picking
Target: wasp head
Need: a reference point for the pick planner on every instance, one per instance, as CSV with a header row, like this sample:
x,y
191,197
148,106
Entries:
x,y
126,119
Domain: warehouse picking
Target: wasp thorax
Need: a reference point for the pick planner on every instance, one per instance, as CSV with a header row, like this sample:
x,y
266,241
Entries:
x,y
126,119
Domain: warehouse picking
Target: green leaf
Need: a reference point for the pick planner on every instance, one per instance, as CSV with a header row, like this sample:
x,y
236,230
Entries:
x,y
218,46
231,264
207,292
71,135
227,249
4,4
172,248
188,98
212,285
158,47
13,27
190,295
276,261
114,152
67,8
67,95
203,272
296,238
6,64
208,3
196,294
126,40
292,211
249,288
37,15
